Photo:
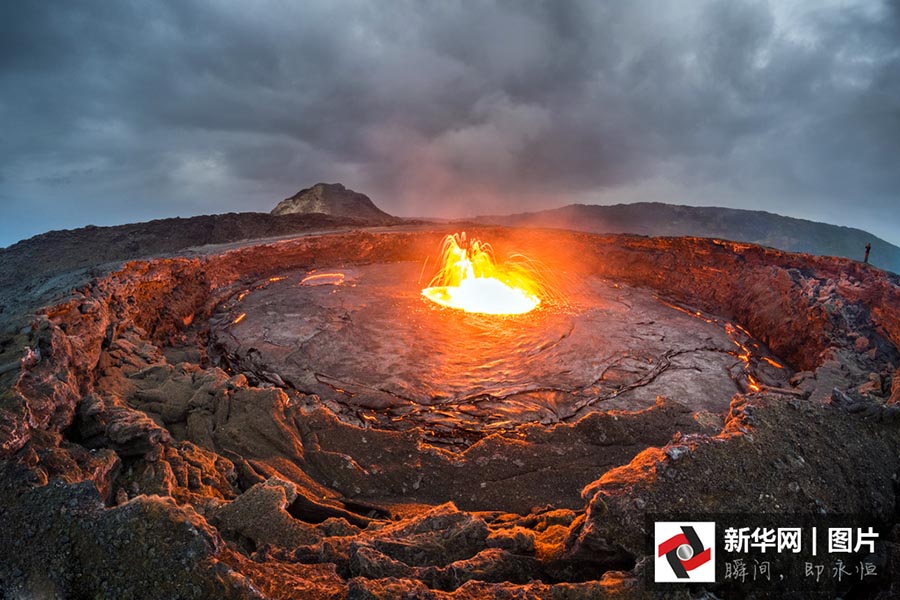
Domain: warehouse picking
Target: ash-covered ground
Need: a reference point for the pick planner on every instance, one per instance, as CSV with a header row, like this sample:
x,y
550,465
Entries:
x,y
206,426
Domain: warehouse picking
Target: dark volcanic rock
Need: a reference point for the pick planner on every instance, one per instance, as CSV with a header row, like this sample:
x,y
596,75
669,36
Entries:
x,y
123,474
259,514
65,544
761,433
332,199
33,269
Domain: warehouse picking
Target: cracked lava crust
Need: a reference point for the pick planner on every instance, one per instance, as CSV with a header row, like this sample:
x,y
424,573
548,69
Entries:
x,y
364,341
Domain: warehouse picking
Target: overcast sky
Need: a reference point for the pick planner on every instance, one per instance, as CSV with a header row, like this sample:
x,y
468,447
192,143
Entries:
x,y
116,111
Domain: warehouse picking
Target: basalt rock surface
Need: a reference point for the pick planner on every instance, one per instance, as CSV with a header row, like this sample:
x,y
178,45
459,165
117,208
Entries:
x,y
335,200
135,466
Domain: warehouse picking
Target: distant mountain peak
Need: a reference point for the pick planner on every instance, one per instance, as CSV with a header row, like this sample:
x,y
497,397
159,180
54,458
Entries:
x,y
331,199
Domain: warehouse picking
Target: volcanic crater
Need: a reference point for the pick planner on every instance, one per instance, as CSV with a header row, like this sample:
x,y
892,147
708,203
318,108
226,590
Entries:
x,y
365,342
291,417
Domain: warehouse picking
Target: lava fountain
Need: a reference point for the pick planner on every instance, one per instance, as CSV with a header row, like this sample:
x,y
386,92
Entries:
x,y
470,279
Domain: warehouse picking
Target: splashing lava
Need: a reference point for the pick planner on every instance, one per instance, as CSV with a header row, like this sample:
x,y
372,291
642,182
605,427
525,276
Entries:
x,y
470,279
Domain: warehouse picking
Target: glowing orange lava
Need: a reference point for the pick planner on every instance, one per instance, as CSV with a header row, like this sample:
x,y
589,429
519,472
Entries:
x,y
469,279
323,279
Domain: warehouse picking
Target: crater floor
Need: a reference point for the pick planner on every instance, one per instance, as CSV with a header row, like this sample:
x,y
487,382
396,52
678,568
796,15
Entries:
x,y
371,347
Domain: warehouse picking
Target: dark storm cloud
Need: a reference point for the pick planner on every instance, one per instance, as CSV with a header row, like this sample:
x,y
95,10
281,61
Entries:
x,y
119,111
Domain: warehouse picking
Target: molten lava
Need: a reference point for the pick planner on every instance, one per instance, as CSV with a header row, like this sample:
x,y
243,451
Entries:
x,y
469,279
323,279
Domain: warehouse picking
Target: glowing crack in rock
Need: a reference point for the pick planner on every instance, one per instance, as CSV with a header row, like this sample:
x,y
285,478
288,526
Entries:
x,y
470,279
323,279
